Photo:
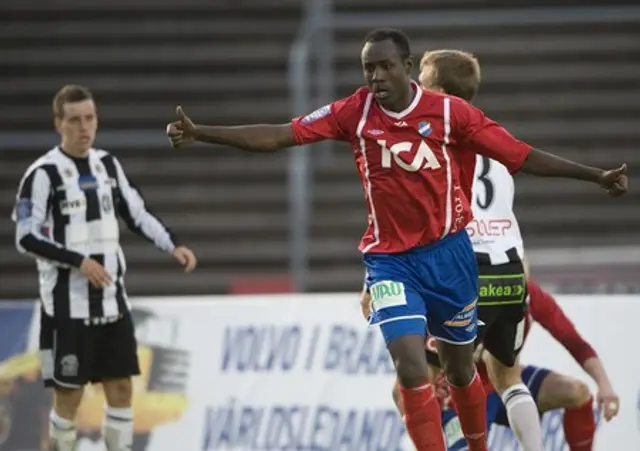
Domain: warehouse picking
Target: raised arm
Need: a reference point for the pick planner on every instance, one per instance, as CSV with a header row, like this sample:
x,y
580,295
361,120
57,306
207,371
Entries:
x,y
488,138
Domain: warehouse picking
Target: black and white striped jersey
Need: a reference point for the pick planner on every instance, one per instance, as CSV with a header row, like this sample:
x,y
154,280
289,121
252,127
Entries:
x,y
67,209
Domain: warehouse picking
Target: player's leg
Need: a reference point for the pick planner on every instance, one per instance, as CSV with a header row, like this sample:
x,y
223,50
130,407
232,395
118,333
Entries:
x,y
556,391
450,287
467,392
400,311
503,294
519,402
396,394
63,346
119,362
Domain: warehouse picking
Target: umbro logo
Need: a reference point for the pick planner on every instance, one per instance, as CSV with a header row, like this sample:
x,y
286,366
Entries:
x,y
375,132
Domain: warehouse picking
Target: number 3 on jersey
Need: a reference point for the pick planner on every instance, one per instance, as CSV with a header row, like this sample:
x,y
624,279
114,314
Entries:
x,y
489,190
424,158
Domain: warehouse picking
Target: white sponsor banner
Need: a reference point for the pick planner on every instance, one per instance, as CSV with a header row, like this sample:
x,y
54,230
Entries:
x,y
304,372
281,372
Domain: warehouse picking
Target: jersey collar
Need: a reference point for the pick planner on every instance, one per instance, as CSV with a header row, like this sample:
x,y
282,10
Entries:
x,y
412,106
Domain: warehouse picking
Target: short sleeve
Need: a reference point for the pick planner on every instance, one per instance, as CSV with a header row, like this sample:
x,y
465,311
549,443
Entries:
x,y
336,121
486,137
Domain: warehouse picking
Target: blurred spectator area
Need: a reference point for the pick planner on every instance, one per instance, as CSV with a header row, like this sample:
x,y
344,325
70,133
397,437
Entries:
x,y
572,88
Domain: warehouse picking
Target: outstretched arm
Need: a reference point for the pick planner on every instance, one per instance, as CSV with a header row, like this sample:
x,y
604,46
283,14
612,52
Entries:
x,y
320,125
488,138
253,138
546,164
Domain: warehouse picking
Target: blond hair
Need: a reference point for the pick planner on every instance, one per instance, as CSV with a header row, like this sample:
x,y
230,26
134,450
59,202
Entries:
x,y
455,71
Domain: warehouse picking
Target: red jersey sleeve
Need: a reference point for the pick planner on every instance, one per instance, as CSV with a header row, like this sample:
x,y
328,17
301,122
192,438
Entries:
x,y
482,135
546,311
336,121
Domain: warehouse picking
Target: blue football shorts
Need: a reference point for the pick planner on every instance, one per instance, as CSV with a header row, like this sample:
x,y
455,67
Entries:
x,y
436,284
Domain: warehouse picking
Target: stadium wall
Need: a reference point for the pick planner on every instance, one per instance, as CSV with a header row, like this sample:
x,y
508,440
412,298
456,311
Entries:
x,y
293,372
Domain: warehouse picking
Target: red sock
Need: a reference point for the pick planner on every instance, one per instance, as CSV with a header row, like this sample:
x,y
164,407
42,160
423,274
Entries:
x,y
422,418
471,405
580,427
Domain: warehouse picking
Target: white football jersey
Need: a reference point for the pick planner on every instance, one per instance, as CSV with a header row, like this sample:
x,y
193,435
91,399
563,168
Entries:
x,y
494,229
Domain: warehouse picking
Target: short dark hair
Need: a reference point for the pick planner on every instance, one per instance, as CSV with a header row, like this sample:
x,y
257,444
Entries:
x,y
69,94
457,72
399,39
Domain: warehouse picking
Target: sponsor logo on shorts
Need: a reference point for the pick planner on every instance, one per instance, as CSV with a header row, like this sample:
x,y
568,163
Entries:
x,y
492,291
465,318
501,289
387,293
69,365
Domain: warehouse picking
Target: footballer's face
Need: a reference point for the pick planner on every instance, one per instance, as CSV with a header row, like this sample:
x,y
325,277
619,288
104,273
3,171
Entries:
x,y
78,126
388,75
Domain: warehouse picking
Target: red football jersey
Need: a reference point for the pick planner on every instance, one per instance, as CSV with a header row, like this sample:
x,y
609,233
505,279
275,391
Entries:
x,y
414,164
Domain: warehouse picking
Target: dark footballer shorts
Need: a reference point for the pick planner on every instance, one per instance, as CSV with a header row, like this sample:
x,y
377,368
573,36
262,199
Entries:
x,y
76,352
502,306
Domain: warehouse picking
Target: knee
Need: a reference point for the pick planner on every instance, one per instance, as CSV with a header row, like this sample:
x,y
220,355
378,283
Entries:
x,y
501,376
67,401
577,392
460,370
411,367
118,392
460,374
457,363
411,373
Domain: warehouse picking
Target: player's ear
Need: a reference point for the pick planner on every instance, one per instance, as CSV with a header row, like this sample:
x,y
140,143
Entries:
x,y
408,65
57,123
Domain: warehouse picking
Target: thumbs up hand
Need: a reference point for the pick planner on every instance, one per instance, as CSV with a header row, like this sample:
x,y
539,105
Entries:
x,y
182,131
615,181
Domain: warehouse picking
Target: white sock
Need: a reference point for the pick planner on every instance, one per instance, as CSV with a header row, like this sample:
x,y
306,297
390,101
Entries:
x,y
117,429
62,433
523,417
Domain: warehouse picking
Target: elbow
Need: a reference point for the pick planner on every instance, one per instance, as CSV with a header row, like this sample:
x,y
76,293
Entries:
x,y
19,244
270,145
279,137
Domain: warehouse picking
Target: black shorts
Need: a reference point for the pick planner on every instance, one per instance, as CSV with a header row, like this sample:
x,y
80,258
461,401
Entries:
x,y
502,306
75,353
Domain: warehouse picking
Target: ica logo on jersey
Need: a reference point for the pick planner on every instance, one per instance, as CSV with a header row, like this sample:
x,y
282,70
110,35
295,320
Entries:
x,y
423,159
